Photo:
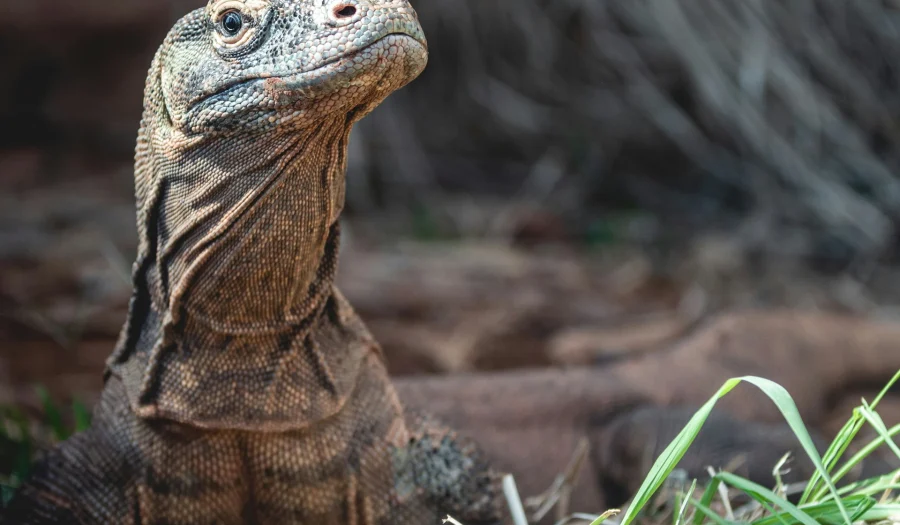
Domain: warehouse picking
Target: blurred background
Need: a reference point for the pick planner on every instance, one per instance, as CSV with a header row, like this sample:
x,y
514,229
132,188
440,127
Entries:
x,y
570,181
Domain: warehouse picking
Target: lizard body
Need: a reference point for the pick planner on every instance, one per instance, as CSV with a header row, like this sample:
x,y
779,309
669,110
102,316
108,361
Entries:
x,y
243,387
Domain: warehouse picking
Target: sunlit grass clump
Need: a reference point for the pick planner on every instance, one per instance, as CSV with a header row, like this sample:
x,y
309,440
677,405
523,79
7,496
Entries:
x,y
820,501
872,501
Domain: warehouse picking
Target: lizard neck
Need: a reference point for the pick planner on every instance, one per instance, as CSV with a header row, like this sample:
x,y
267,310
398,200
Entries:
x,y
248,243
235,321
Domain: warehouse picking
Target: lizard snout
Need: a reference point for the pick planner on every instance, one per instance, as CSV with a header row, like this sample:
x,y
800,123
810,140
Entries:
x,y
375,18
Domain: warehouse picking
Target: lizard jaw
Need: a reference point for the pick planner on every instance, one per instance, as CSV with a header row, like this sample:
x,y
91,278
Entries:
x,y
359,78
355,69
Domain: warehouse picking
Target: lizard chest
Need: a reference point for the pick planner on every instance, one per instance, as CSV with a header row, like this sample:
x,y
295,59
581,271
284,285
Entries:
x,y
338,472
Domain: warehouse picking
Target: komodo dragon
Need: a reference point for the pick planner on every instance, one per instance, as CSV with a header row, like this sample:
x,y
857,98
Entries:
x,y
243,387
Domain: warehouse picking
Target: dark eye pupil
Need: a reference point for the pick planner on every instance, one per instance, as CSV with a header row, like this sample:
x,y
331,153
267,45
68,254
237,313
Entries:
x,y
232,23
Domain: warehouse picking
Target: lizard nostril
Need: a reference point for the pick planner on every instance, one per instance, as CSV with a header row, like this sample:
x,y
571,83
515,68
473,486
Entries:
x,y
344,11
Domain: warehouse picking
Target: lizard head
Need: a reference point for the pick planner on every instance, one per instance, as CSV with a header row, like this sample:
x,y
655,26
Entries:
x,y
241,155
264,65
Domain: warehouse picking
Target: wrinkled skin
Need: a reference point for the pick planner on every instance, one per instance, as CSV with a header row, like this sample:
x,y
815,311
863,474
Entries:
x,y
243,388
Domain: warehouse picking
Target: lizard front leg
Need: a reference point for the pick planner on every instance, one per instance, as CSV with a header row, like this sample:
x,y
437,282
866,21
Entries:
x,y
129,471
86,479
446,471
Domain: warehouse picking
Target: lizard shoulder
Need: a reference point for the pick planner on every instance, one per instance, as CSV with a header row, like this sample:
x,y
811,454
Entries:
x,y
447,470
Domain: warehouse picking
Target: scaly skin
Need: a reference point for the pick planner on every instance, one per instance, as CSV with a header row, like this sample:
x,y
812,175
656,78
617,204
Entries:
x,y
244,389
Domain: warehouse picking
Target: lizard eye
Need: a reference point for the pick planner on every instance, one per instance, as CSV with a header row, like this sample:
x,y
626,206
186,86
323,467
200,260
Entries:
x,y
231,26
237,29
232,22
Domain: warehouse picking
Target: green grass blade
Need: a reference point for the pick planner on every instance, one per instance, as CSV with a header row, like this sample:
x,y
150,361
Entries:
x,y
788,409
672,455
21,445
706,499
82,416
780,516
52,415
854,460
678,447
828,512
878,424
881,512
767,497
885,483
678,518
816,489
709,513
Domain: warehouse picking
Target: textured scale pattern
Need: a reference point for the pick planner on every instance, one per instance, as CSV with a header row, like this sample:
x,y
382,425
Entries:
x,y
243,387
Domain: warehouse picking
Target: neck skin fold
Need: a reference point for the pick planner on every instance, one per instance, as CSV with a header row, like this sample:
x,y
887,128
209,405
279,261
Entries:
x,y
234,281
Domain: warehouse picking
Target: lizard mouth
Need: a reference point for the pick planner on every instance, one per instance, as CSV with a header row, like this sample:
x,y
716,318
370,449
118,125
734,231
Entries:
x,y
316,79
342,65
